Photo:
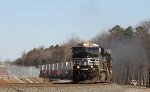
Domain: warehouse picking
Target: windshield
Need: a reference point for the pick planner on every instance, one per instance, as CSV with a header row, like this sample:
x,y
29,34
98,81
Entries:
x,y
84,52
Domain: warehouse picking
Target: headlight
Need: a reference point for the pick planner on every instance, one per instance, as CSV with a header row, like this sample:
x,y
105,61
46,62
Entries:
x,y
78,67
91,66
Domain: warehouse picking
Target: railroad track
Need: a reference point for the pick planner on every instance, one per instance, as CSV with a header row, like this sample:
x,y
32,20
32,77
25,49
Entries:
x,y
46,85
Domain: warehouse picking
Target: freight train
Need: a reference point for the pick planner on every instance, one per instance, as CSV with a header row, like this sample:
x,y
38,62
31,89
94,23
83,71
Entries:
x,y
90,63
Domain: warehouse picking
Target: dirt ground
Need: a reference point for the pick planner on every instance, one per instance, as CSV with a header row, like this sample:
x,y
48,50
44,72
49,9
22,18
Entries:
x,y
70,88
21,80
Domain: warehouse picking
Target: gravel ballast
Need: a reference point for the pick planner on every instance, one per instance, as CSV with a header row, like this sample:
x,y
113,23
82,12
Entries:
x,y
94,88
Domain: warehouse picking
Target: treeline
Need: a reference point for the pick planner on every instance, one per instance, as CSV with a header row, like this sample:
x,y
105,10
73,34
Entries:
x,y
130,51
53,54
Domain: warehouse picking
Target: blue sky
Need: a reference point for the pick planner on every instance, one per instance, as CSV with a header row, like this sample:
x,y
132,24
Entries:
x,y
25,24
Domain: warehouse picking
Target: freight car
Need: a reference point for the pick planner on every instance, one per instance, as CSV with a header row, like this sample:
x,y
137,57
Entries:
x,y
90,63
57,70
